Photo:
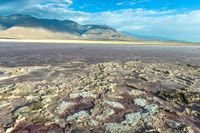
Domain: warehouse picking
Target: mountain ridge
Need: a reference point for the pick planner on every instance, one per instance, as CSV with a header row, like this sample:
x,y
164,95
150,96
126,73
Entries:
x,y
10,24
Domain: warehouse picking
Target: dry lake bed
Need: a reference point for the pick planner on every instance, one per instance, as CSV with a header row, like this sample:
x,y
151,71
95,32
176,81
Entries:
x,y
77,88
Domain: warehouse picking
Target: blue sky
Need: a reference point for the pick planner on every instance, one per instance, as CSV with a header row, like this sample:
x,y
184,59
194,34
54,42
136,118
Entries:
x,y
174,19
113,5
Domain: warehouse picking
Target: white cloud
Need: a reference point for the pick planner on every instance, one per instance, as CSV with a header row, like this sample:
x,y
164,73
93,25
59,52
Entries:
x,y
131,2
168,23
35,7
165,23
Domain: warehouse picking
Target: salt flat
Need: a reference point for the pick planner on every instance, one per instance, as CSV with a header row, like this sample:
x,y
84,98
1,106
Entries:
x,y
99,88
49,53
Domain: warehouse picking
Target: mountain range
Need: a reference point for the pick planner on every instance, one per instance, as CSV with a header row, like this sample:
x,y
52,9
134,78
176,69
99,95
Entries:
x,y
28,27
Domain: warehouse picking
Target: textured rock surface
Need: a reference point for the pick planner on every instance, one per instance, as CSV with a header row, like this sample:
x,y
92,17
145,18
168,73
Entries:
x,y
113,97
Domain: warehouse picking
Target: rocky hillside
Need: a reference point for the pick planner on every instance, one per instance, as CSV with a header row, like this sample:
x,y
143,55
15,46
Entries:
x,y
28,27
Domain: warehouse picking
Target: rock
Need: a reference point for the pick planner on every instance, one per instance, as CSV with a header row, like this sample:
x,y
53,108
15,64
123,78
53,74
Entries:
x,y
63,106
132,118
105,114
80,130
136,92
82,94
78,116
174,124
114,104
118,128
140,102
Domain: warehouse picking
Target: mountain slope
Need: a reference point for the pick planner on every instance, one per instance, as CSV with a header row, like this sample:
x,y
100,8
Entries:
x,y
28,27
34,33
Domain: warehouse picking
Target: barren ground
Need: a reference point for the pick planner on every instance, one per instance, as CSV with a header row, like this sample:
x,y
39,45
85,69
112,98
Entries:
x,y
78,88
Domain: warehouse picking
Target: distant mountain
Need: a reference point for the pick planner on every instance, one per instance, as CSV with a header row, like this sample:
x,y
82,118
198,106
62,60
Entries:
x,y
148,37
28,27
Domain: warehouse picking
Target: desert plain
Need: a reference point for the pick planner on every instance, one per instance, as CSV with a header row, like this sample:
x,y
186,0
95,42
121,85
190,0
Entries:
x,y
85,88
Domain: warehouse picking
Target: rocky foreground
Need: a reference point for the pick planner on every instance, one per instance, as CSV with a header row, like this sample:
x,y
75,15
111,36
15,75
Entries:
x,y
113,97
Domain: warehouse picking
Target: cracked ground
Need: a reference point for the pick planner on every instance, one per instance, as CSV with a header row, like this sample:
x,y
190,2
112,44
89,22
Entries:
x,y
79,96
